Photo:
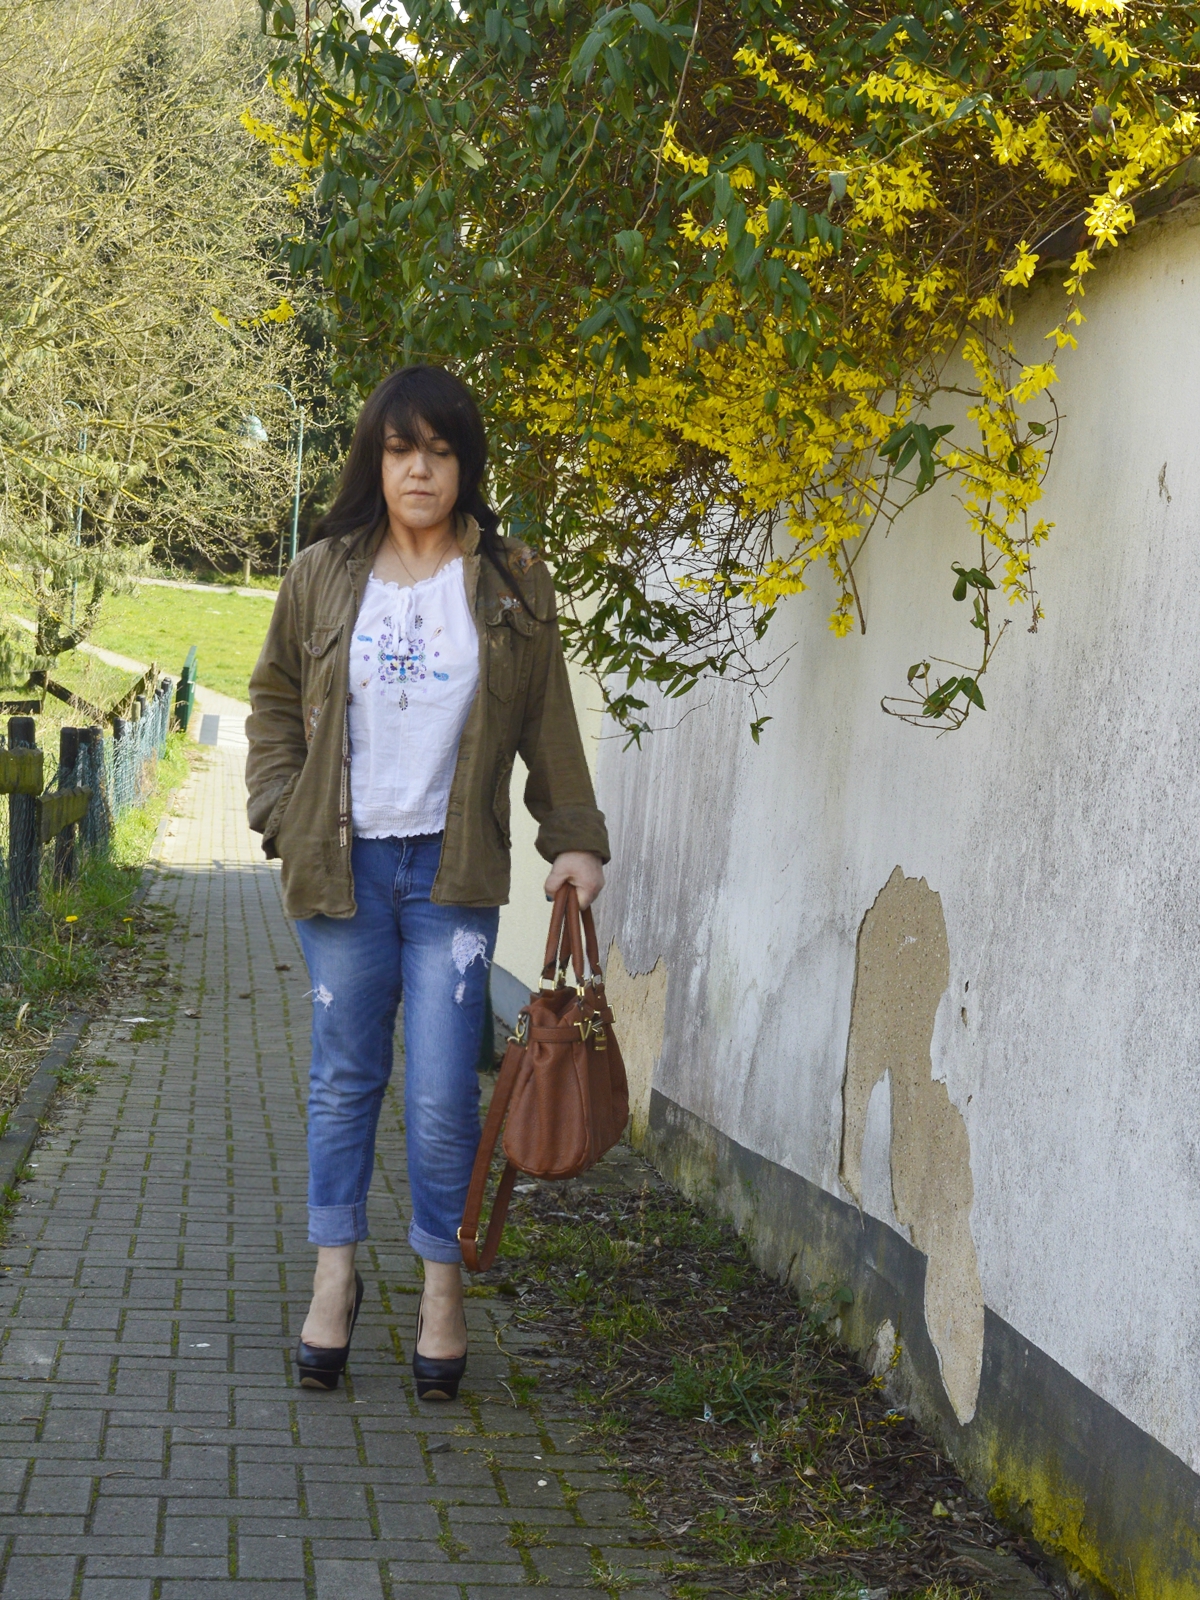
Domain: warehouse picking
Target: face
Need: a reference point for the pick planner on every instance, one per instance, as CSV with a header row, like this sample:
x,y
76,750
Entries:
x,y
420,480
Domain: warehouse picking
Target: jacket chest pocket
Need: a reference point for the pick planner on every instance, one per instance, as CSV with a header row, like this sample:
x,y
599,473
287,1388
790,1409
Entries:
x,y
501,661
320,651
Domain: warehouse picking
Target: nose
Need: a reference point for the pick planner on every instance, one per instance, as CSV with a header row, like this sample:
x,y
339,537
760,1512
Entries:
x,y
420,467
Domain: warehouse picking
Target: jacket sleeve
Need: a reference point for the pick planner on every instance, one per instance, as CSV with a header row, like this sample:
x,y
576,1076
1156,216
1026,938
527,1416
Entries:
x,y
559,792
275,726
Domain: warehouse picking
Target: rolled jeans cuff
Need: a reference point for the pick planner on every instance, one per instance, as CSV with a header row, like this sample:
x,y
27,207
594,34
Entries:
x,y
334,1225
430,1249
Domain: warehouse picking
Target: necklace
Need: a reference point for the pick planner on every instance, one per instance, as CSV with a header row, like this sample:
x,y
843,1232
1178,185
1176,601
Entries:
x,y
440,563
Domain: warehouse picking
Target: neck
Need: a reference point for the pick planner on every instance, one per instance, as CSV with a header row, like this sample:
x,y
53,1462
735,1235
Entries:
x,y
420,544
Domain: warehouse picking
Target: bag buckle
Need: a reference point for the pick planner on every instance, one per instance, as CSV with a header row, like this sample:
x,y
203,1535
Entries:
x,y
592,1028
520,1033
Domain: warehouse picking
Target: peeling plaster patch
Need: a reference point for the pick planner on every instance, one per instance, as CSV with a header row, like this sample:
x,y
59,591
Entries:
x,y
639,1002
901,973
321,995
467,946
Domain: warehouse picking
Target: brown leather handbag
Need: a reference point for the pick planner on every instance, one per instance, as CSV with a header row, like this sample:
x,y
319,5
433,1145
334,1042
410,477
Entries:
x,y
562,1081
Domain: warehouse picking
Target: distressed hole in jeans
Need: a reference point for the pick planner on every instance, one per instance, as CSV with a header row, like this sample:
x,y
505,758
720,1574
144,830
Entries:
x,y
460,991
467,946
322,995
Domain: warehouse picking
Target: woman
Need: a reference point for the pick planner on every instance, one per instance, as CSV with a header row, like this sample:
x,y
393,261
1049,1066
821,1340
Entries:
x,y
412,653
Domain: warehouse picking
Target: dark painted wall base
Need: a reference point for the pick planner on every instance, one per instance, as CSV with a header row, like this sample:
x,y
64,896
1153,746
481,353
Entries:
x,y
1098,1494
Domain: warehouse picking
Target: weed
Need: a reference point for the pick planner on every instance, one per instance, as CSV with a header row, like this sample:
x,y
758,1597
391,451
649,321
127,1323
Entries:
x,y
141,1031
610,1424
732,1388
606,1576
453,1547
628,1319
522,1537
77,1079
521,1386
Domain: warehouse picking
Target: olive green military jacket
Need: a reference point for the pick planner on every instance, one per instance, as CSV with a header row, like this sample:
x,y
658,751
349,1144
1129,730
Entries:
x,y
298,769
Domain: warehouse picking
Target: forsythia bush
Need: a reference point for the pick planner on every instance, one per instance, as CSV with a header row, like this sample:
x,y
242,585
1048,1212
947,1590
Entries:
x,y
710,268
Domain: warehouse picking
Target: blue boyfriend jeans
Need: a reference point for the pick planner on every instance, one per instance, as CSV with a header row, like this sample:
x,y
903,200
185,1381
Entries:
x,y
397,943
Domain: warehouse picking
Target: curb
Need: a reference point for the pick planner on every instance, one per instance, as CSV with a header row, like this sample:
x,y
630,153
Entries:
x,y
25,1122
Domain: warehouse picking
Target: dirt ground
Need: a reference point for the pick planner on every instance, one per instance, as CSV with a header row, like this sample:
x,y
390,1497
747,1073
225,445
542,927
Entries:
x,y
765,1460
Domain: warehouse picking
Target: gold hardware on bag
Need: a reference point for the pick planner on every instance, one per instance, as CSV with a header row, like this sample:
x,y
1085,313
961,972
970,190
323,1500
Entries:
x,y
591,1028
521,1031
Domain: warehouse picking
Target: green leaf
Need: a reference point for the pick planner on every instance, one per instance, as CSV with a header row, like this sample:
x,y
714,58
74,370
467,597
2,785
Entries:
x,y
633,247
592,325
878,42
837,185
960,588
756,728
586,55
472,156
895,439
971,690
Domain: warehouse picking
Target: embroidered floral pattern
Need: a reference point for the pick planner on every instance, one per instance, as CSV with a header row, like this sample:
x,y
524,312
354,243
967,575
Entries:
x,y
398,656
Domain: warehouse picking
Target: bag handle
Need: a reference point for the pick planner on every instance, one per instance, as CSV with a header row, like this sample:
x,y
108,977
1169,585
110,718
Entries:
x,y
474,1259
572,937
593,948
554,939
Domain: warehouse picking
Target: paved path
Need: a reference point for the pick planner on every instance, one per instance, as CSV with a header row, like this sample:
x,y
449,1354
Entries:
x,y
153,1442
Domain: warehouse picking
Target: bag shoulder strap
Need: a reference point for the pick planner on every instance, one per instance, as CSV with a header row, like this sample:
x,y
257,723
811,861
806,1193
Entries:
x,y
473,1259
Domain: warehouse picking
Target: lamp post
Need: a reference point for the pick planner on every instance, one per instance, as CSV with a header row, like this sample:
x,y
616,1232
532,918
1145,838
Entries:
x,y
298,412
83,439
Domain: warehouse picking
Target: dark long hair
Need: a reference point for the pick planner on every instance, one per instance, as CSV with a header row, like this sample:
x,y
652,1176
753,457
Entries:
x,y
414,403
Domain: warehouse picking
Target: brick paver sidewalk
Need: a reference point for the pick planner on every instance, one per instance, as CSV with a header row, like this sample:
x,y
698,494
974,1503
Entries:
x,y
155,1445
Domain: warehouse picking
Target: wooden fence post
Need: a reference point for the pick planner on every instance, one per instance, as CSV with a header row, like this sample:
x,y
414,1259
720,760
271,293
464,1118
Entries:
x,y
24,829
68,778
98,823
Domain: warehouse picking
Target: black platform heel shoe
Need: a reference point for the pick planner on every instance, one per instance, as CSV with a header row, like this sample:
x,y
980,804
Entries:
x,y
436,1378
320,1366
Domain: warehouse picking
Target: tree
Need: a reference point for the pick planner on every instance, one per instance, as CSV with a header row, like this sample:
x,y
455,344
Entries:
x,y
711,268
144,313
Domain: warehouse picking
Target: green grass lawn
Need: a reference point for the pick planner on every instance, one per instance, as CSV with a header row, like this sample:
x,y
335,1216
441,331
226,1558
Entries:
x,y
94,681
160,625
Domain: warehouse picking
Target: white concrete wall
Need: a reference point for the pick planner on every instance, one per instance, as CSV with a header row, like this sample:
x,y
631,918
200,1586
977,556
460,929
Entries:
x,y
1061,829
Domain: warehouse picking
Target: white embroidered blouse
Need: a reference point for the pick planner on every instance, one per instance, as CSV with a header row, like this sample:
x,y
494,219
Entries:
x,y
414,669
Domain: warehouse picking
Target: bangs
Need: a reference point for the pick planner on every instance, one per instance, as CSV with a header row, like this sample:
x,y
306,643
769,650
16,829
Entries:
x,y
414,420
